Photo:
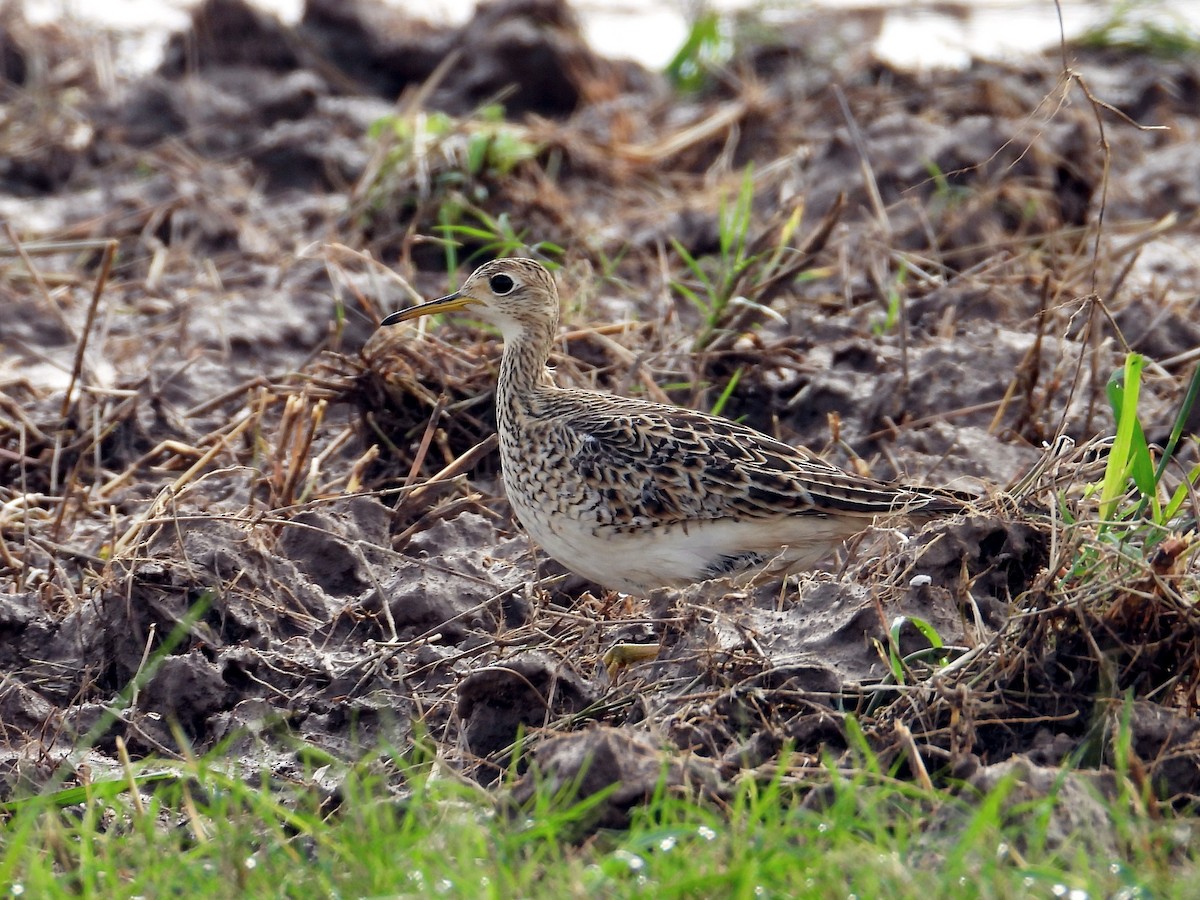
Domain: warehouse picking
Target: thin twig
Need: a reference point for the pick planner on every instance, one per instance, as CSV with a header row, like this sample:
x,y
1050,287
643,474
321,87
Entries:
x,y
110,253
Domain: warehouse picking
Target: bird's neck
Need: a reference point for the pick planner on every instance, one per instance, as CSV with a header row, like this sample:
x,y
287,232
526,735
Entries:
x,y
523,365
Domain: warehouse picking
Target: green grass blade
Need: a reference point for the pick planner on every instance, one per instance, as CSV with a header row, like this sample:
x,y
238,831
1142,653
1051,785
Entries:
x,y
719,406
450,248
1143,472
927,631
734,221
693,265
1181,494
704,46
105,789
466,231
1181,417
1121,462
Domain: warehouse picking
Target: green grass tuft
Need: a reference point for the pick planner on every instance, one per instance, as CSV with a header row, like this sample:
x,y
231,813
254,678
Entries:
x,y
202,832
1145,27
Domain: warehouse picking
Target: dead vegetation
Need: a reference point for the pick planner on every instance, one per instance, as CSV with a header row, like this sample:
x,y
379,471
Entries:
x,y
230,511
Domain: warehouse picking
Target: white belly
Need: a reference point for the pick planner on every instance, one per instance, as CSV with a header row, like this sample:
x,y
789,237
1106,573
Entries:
x,y
672,556
634,563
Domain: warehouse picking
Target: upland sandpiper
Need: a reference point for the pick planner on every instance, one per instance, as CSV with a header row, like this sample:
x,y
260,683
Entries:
x,y
637,495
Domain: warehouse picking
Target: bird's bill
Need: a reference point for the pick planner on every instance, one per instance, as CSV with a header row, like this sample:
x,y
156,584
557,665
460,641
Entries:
x,y
449,303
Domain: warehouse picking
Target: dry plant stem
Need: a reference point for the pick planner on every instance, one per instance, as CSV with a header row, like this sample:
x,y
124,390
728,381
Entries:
x,y
127,767
343,438
45,248
1114,289
610,328
67,491
36,275
893,430
1086,341
632,363
375,267
457,467
1025,379
176,448
199,829
1096,104
868,174
298,462
110,252
812,245
298,443
142,664
914,757
167,494
26,525
444,510
724,117
280,469
354,481
258,382
423,448
12,562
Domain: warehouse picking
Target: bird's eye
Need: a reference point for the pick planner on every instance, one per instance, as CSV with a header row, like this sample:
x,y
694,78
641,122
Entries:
x,y
501,284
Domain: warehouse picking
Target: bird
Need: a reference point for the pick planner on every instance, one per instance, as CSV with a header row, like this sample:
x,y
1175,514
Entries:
x,y
637,496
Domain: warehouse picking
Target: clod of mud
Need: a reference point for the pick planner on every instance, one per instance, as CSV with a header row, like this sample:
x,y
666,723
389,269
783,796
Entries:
x,y
1166,746
339,548
450,592
627,761
230,34
527,691
1078,818
12,58
530,52
985,561
186,690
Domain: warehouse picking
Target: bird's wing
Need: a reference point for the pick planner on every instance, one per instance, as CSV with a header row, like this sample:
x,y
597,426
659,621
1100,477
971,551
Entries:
x,y
664,464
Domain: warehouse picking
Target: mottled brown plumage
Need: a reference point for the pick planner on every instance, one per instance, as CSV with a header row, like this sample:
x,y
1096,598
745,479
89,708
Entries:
x,y
637,495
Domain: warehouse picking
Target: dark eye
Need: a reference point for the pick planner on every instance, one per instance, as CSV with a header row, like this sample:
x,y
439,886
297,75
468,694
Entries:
x,y
501,284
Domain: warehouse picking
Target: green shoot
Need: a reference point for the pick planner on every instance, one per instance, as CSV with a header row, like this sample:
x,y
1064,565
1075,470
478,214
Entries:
x,y
1130,453
719,407
1133,517
1149,27
895,662
1131,458
434,158
946,194
493,236
1181,418
706,47
750,264
895,297
718,290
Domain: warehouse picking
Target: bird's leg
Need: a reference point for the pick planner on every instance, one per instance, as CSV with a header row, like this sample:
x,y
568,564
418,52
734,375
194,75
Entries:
x,y
619,656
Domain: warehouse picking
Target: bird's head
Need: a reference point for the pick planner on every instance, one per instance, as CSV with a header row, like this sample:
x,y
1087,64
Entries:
x,y
512,294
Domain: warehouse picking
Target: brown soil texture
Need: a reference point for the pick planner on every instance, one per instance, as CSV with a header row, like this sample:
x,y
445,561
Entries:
x,y
237,519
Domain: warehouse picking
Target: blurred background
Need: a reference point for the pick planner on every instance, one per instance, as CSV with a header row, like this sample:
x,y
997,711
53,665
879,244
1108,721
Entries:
x,y
913,35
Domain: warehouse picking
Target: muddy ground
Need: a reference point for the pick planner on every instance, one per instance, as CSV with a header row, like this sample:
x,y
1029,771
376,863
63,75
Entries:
x,y
236,518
